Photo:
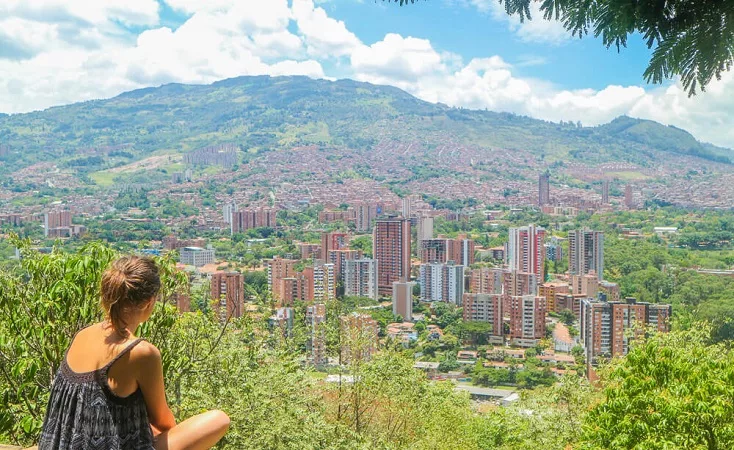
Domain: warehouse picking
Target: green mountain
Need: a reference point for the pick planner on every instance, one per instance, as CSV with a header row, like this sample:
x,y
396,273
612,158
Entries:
x,y
273,113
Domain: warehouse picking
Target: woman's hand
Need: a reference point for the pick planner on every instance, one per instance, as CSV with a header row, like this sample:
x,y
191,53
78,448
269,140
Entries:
x,y
155,430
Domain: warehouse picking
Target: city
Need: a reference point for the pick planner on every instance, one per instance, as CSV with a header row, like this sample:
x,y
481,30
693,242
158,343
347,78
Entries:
x,y
337,224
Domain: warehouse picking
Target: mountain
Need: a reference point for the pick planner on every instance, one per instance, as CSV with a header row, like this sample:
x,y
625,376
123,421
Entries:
x,y
670,138
264,113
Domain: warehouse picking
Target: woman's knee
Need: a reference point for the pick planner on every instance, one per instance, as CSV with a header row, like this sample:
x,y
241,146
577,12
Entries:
x,y
218,419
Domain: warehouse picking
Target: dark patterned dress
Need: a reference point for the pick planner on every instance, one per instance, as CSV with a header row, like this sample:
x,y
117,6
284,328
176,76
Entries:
x,y
84,414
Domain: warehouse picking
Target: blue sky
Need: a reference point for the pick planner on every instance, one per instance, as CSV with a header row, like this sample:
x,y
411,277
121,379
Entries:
x,y
461,28
464,53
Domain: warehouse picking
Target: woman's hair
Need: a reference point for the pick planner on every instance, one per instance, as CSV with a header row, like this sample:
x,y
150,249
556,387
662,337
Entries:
x,y
127,285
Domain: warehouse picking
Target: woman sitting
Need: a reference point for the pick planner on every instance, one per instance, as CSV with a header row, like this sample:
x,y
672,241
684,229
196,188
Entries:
x,y
108,393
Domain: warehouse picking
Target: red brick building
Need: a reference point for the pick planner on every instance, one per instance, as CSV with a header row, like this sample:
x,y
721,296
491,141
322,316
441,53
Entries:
x,y
391,248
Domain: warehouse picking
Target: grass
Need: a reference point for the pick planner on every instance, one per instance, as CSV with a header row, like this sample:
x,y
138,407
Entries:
x,y
629,175
174,167
309,133
103,178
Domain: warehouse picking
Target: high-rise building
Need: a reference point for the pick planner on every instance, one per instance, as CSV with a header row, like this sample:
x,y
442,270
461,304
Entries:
x,y
433,251
196,256
358,337
407,207
544,189
53,220
391,249
252,218
442,250
333,241
315,283
228,210
486,280
485,308
280,269
629,199
329,216
228,293
316,345
516,283
605,192
525,251
586,252
425,229
442,283
309,250
15,220
402,299
527,320
339,259
462,251
324,283
605,326
360,278
364,215
297,287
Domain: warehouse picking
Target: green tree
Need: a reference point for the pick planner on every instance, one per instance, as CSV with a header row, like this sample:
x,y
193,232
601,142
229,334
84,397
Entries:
x,y
475,332
672,391
567,317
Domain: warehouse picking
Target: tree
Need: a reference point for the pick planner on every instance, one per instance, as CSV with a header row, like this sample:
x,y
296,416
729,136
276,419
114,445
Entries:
x,y
363,243
691,39
446,314
672,391
474,331
567,317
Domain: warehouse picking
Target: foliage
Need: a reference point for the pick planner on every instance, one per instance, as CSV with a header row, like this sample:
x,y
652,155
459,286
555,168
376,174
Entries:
x,y
672,391
475,332
363,243
446,314
547,418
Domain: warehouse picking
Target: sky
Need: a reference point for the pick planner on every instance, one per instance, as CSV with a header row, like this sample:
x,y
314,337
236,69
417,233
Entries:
x,y
466,53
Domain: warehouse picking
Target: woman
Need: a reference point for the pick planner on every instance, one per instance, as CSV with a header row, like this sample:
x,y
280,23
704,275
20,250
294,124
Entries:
x,y
108,393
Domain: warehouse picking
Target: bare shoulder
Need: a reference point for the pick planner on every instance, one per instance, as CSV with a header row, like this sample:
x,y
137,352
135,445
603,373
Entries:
x,y
145,353
90,330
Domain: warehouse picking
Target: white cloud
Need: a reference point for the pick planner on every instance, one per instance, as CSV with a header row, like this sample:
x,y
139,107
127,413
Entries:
x,y
398,59
325,37
536,30
414,65
231,39
97,12
21,38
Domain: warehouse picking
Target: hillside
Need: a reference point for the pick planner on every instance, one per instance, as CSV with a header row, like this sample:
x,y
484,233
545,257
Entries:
x,y
262,114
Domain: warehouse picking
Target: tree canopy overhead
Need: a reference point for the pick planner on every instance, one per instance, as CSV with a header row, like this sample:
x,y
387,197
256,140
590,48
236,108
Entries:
x,y
691,39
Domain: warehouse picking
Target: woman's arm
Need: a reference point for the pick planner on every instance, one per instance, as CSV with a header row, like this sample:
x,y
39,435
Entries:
x,y
150,380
